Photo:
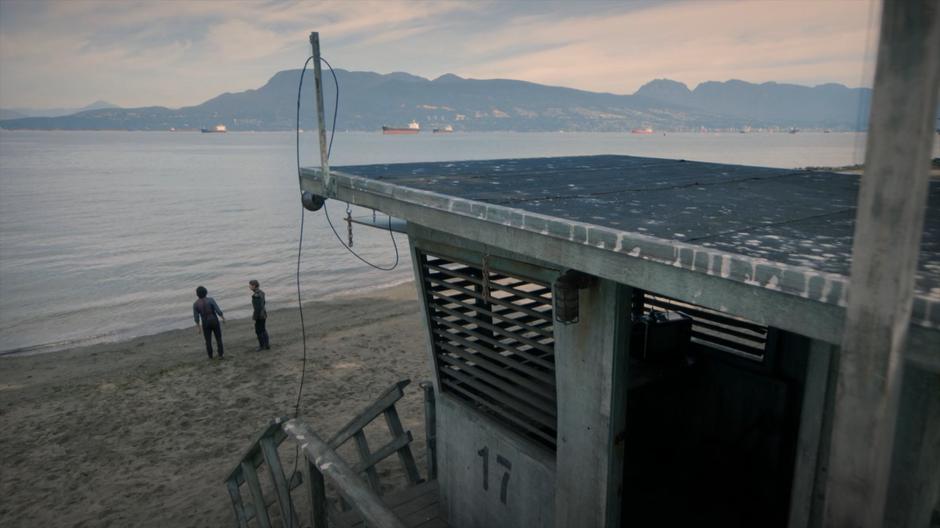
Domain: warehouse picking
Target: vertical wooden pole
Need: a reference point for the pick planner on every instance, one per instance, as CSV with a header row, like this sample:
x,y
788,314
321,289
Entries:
x,y
281,487
257,496
430,427
362,446
812,414
237,504
888,229
404,454
316,493
914,492
328,185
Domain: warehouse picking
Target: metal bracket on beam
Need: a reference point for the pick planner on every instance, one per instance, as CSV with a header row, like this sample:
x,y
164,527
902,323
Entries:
x,y
395,224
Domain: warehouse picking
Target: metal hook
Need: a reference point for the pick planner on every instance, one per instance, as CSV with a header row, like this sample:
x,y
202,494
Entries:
x,y
349,223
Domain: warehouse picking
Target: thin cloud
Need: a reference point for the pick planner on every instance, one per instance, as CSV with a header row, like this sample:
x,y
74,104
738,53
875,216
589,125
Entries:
x,y
693,42
176,53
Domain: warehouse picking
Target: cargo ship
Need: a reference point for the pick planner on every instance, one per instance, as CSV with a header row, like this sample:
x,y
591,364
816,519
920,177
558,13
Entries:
x,y
413,128
445,130
217,129
644,131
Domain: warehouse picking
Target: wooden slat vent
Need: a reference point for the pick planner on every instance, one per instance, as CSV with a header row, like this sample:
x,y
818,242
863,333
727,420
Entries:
x,y
711,328
493,343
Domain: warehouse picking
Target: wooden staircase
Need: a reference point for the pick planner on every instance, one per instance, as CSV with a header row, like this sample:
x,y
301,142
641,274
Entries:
x,y
255,491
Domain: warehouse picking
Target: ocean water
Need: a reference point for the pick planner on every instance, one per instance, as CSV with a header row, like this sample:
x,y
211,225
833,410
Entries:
x,y
105,235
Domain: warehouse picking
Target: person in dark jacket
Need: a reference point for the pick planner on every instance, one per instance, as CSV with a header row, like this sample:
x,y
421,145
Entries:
x,y
259,315
208,311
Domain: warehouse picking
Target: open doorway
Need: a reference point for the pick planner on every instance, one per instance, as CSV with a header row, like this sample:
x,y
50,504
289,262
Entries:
x,y
712,419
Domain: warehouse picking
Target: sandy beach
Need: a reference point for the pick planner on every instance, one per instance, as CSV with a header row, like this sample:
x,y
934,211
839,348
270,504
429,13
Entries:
x,y
143,432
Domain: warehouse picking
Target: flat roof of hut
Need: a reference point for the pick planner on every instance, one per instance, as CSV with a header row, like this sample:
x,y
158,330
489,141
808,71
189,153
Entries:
x,y
735,238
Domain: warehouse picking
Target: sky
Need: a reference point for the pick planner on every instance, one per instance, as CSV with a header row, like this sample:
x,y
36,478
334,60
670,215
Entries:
x,y
174,53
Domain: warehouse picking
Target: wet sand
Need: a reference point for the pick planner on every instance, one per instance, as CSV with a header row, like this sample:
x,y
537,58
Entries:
x,y
143,432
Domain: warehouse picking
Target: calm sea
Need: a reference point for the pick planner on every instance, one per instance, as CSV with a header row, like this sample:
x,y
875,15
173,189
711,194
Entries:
x,y
104,235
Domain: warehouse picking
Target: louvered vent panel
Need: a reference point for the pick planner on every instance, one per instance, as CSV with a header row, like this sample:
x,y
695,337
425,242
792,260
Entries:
x,y
493,343
712,328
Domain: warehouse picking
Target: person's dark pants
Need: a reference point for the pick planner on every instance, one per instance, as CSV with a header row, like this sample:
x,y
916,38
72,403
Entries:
x,y
262,333
209,328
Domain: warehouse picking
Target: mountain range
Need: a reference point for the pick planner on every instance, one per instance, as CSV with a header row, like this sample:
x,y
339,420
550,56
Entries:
x,y
369,100
17,113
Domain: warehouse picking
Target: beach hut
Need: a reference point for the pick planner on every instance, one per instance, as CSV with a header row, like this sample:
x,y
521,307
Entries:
x,y
633,341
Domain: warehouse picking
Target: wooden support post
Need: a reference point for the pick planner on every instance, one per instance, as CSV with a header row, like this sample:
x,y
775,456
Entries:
x,y
888,230
362,446
240,519
914,492
269,450
417,259
328,184
812,414
404,453
316,494
590,362
430,428
257,496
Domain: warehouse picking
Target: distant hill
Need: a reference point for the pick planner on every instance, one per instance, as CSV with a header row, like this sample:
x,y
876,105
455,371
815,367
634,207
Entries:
x,y
770,103
14,113
11,114
369,100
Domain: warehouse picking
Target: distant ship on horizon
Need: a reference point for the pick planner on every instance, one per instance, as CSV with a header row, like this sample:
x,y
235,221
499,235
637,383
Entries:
x,y
644,131
217,129
445,130
413,128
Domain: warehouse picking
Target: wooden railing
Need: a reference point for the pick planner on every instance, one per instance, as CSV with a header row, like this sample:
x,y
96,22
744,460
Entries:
x,y
400,443
322,461
319,462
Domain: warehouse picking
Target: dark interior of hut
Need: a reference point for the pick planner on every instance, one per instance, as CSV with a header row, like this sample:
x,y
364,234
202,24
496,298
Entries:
x,y
713,407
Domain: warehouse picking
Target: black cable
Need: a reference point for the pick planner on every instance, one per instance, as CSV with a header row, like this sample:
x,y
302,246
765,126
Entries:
x,y
300,244
329,149
394,244
300,304
326,210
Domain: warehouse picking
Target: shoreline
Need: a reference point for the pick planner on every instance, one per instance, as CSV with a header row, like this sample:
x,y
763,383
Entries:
x,y
142,432
118,338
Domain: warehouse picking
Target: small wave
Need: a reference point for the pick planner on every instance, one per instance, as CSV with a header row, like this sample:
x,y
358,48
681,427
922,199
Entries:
x,y
372,287
58,346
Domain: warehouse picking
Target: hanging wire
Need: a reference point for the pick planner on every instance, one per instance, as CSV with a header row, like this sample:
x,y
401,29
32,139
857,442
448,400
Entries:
x,y
326,210
300,305
303,329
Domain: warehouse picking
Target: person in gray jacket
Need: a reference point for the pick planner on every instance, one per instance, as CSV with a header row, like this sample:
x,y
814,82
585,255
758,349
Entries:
x,y
208,311
259,314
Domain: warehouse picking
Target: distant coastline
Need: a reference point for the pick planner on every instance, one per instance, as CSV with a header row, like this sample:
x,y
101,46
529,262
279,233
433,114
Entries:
x,y
490,105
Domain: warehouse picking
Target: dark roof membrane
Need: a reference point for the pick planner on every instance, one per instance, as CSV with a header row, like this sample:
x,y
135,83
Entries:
x,y
793,228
